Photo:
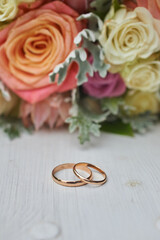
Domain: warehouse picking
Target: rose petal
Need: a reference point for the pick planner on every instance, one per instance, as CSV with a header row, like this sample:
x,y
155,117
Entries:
x,y
142,3
153,8
40,114
53,117
64,110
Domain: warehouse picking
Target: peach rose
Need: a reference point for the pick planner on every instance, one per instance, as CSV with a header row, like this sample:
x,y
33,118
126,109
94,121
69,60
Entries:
x,y
33,45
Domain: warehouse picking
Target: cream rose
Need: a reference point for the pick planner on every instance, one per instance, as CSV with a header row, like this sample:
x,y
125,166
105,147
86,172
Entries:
x,y
141,102
143,76
129,35
9,9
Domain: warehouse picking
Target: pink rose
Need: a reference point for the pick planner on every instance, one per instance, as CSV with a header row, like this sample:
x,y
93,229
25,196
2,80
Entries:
x,y
152,5
33,45
53,111
110,86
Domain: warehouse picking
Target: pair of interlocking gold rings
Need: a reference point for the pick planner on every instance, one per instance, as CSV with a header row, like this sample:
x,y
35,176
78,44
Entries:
x,y
83,181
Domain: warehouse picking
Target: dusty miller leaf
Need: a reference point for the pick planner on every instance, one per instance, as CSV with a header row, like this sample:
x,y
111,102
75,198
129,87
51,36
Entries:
x,y
98,64
92,110
141,123
84,125
86,33
95,24
112,105
79,55
5,92
83,119
87,39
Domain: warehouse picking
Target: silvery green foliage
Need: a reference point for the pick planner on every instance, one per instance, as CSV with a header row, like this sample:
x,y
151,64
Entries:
x,y
86,39
97,118
79,56
85,126
5,92
84,120
89,37
95,24
141,123
112,105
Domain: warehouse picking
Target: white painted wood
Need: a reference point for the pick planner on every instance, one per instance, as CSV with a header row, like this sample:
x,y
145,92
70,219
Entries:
x,y
32,206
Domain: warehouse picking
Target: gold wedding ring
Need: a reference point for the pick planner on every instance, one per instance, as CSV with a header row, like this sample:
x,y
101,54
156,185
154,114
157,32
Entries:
x,y
70,183
89,181
83,180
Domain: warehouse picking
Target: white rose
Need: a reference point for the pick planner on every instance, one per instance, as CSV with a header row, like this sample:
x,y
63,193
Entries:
x,y
143,76
130,35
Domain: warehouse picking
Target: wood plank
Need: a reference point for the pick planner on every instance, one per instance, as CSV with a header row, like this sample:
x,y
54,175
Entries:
x,y
32,206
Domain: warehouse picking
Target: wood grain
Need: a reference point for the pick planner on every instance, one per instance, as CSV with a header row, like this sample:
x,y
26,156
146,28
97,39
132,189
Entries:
x,y
32,206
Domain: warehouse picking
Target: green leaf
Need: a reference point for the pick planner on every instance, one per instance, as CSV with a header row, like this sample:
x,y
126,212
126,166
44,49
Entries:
x,y
117,127
12,131
12,126
101,7
117,5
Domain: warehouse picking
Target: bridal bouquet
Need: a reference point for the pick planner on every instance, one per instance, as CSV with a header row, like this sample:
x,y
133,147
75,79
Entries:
x,y
94,65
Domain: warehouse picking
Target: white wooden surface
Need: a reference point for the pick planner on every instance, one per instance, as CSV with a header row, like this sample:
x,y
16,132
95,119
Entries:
x,y
32,206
